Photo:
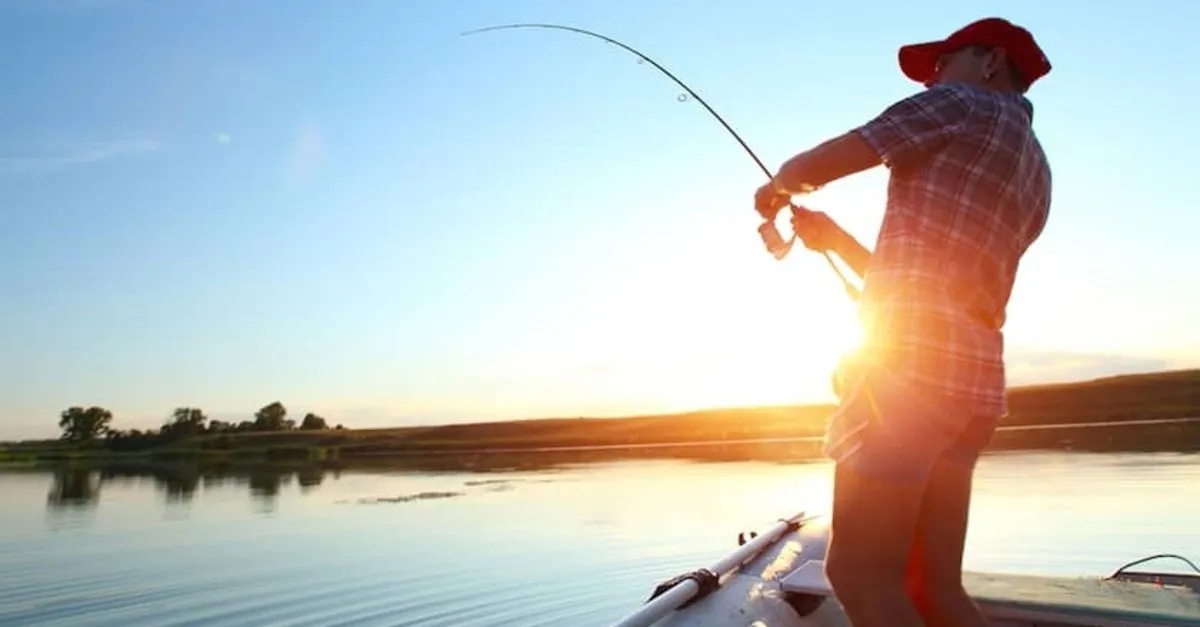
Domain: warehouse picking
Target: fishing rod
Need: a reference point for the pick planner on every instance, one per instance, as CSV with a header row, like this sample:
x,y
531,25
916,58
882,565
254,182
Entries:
x,y
767,230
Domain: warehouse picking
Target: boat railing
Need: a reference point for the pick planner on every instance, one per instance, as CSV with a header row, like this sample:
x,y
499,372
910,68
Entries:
x,y
683,590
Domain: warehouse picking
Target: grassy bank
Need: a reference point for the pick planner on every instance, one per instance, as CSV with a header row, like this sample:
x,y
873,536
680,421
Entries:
x,y
1114,400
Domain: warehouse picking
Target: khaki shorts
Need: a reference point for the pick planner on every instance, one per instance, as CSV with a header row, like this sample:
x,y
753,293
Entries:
x,y
888,428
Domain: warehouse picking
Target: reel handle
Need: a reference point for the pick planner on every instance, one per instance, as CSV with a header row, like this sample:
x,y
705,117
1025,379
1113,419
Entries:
x,y
773,239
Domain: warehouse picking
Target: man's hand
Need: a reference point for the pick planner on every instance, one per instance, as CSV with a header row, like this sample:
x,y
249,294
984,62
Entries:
x,y
769,199
817,231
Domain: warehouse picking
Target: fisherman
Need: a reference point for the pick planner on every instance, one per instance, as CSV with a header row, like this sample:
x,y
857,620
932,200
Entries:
x,y
969,192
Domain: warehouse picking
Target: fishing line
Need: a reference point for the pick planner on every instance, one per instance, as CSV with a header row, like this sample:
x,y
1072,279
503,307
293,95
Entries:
x,y
771,237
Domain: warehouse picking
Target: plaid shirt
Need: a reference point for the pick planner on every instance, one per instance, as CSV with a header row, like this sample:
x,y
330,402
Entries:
x,y
969,192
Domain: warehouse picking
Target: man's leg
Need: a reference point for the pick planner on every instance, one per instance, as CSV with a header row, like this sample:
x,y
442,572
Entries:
x,y
935,566
874,523
886,439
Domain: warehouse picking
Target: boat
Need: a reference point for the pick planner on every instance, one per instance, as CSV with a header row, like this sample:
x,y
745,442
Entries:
x,y
777,579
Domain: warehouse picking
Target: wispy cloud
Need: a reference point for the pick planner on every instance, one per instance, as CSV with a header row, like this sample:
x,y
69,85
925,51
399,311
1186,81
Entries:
x,y
306,155
52,6
1029,366
83,154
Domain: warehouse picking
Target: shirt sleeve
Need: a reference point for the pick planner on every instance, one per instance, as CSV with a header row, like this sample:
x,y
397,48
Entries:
x,y
916,127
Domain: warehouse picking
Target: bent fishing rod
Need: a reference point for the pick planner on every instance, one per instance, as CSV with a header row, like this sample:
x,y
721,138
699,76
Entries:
x,y
767,230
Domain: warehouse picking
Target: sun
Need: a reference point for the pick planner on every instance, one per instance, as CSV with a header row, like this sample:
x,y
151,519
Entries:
x,y
712,320
731,327
746,359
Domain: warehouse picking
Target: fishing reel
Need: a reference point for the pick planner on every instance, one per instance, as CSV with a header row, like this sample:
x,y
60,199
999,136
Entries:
x,y
780,247
773,239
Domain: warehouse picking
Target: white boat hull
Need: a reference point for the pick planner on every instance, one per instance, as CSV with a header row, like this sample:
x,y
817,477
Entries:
x,y
783,585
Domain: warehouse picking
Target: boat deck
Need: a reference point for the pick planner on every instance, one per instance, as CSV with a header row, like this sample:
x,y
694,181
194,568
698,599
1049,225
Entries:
x,y
784,585
1026,599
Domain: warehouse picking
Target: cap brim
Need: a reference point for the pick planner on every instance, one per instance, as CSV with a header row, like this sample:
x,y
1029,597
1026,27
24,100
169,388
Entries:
x,y
919,61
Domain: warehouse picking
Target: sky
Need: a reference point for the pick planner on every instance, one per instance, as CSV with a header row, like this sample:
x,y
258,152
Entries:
x,y
354,210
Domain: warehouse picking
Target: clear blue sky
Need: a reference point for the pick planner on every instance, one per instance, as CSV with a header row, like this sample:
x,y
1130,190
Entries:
x,y
347,207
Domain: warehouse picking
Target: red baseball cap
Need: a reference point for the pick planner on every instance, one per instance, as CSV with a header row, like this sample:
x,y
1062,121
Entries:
x,y
919,61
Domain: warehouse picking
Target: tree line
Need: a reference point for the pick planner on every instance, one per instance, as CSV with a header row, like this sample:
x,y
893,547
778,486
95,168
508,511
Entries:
x,y
93,424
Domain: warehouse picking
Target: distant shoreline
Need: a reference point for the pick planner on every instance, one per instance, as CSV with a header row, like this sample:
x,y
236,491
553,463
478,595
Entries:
x,y
1156,410
1067,427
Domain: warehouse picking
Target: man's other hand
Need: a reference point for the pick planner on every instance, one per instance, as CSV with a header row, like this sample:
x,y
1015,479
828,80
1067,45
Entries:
x,y
816,230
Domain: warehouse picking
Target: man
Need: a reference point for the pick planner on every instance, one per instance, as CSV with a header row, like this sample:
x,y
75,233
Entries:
x,y
969,192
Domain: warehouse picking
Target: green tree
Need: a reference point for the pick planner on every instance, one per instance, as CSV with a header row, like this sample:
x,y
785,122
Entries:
x,y
185,422
313,422
84,425
272,417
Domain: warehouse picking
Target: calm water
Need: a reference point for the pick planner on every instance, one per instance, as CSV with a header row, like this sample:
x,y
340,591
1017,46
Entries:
x,y
578,545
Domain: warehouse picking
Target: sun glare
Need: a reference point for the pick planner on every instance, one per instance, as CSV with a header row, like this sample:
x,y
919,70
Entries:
x,y
718,323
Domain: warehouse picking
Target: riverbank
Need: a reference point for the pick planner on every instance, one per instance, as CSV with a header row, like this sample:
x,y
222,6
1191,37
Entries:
x,y
1138,412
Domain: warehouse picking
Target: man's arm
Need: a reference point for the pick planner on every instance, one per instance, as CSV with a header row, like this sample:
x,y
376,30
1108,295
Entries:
x,y
853,253
907,132
902,136
828,162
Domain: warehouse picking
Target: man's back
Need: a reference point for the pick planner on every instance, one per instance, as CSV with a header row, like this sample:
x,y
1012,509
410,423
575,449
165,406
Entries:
x,y
969,193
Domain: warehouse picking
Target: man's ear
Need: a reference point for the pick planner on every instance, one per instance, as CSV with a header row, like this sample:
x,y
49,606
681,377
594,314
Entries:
x,y
995,63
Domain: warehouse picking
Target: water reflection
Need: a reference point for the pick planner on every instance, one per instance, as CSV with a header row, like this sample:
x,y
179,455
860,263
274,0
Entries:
x,y
79,488
310,478
74,487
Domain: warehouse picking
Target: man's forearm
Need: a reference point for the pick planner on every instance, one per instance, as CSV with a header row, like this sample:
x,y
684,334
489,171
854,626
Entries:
x,y
853,253
827,162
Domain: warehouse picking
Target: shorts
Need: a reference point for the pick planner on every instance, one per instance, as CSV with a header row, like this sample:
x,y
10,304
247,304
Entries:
x,y
890,429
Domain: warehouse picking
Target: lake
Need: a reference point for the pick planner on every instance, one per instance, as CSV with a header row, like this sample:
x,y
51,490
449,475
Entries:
x,y
577,544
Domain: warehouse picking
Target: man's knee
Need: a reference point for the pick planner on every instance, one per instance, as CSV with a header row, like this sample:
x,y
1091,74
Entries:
x,y
858,581
853,578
